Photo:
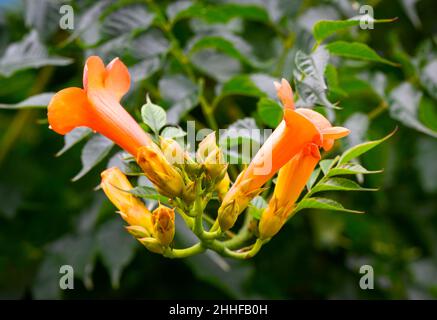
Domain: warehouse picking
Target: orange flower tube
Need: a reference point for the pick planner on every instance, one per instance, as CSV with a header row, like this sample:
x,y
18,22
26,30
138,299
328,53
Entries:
x,y
292,179
299,128
97,106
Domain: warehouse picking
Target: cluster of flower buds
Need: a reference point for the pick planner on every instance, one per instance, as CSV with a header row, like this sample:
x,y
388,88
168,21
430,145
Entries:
x,y
189,183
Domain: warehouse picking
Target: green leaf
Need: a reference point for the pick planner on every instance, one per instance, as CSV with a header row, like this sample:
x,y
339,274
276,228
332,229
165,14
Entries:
x,y
88,21
28,53
428,113
313,178
424,161
257,206
216,65
310,78
241,130
339,184
154,116
173,132
359,149
219,14
325,28
270,112
36,101
181,93
94,151
126,19
144,69
227,43
147,192
241,85
405,100
72,138
350,168
323,204
326,164
116,248
356,50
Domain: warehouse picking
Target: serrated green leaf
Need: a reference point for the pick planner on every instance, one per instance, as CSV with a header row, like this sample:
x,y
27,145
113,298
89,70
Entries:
x,y
339,184
153,116
325,28
359,149
94,151
72,138
322,204
356,50
350,168
36,101
310,80
270,112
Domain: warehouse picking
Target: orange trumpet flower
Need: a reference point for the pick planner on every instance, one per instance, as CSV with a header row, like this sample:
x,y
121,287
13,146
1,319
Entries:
x,y
299,128
292,179
97,106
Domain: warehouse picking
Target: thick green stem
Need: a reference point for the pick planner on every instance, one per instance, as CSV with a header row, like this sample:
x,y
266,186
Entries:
x,y
184,253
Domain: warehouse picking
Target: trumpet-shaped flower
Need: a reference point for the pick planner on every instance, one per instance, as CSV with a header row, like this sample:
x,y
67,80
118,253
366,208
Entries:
x,y
97,106
116,187
292,178
298,128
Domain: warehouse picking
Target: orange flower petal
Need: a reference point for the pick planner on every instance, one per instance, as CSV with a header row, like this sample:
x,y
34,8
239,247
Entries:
x,y
293,177
68,109
285,93
335,132
331,134
319,120
117,78
94,73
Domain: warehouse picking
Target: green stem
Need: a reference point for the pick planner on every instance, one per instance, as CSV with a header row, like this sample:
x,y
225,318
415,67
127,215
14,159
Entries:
x,y
184,253
383,106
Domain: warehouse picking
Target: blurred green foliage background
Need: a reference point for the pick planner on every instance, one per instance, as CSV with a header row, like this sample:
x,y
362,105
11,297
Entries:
x,y
231,50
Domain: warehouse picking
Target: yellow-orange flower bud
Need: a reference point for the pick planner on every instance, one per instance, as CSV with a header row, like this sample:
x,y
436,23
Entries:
x,y
210,155
116,187
223,186
152,245
235,201
173,152
164,224
163,175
